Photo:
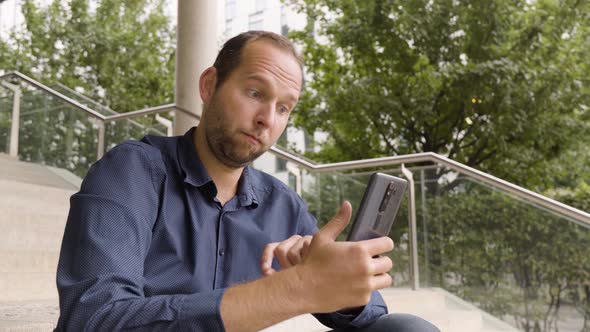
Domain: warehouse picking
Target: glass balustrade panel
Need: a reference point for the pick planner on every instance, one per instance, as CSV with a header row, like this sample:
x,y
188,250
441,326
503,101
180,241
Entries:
x,y
82,99
54,133
514,260
136,128
6,100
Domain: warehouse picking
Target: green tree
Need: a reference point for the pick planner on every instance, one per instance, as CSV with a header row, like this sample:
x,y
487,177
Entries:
x,y
119,53
498,85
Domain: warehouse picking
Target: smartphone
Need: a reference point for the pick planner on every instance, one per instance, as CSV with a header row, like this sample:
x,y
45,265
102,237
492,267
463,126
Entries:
x,y
378,208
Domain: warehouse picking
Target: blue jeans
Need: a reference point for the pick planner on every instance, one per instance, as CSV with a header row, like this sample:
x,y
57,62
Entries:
x,y
396,323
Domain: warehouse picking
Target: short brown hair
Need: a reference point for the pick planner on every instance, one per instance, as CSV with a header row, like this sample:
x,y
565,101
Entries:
x,y
228,58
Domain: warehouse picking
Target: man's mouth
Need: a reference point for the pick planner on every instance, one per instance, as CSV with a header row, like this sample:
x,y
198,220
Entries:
x,y
253,139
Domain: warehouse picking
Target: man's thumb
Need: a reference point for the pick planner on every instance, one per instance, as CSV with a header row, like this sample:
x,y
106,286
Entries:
x,y
338,223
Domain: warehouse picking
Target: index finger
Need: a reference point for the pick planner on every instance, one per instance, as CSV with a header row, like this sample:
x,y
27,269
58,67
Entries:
x,y
378,245
267,256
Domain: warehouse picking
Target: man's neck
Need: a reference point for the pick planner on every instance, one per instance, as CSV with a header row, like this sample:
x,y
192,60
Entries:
x,y
225,178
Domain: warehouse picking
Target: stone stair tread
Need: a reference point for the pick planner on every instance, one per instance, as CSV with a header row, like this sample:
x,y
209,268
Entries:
x,y
29,261
25,241
18,286
32,173
38,315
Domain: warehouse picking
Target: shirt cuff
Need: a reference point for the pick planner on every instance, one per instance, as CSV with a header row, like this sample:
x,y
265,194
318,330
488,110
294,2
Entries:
x,y
201,311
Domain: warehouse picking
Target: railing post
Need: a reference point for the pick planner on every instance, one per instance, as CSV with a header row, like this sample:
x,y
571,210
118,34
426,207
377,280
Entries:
x,y
425,220
15,123
100,148
413,236
166,123
296,171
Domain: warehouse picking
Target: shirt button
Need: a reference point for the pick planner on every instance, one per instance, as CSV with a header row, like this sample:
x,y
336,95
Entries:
x,y
221,252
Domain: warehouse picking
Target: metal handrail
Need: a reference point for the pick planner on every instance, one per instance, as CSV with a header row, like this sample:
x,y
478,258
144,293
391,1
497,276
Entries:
x,y
149,110
145,111
583,218
68,100
576,215
83,97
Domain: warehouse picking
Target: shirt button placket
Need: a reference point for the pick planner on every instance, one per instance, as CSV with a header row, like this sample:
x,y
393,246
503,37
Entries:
x,y
220,253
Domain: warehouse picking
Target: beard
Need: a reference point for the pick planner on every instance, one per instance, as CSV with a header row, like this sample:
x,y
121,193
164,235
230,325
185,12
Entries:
x,y
227,145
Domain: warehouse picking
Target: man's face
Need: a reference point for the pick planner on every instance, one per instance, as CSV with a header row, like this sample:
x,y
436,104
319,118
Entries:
x,y
249,111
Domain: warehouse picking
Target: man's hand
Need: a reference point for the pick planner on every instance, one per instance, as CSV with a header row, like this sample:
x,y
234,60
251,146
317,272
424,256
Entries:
x,y
340,275
289,252
325,276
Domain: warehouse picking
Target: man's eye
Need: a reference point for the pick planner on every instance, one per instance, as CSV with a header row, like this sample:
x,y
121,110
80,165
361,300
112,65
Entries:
x,y
283,109
253,93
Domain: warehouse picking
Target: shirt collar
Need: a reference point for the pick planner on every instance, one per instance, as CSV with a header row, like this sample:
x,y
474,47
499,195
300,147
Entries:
x,y
195,173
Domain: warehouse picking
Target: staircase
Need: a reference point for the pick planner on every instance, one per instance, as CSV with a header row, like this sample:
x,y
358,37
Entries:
x,y
34,202
444,310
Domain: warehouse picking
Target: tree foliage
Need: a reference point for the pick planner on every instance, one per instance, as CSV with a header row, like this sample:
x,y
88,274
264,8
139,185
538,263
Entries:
x,y
119,53
498,85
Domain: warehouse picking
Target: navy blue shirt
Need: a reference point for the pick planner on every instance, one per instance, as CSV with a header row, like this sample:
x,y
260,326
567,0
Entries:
x,y
147,246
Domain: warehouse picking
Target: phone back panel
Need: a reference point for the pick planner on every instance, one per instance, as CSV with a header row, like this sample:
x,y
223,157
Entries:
x,y
378,208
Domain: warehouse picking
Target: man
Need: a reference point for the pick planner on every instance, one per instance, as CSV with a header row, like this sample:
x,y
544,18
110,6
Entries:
x,y
180,234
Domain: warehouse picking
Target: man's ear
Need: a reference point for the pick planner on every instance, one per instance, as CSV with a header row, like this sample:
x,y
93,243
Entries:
x,y
207,83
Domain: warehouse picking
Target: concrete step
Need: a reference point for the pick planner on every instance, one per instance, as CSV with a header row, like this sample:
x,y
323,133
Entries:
x,y
408,301
34,197
489,322
29,316
461,320
26,241
443,309
17,286
31,221
32,173
425,303
35,204
4,156
306,323
28,261
420,303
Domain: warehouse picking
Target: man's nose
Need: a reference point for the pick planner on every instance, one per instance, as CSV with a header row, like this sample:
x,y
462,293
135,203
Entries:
x,y
266,114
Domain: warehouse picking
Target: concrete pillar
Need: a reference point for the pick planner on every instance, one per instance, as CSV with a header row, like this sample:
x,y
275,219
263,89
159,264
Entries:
x,y
196,48
15,123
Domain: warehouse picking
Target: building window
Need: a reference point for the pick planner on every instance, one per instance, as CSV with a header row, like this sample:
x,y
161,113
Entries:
x,y
260,5
230,10
284,26
228,29
255,21
284,30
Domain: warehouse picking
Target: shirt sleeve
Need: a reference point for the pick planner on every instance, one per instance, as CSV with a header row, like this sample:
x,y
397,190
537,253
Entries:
x,y
107,237
360,317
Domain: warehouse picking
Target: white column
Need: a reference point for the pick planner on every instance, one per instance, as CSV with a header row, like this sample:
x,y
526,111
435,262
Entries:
x,y
15,124
196,48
